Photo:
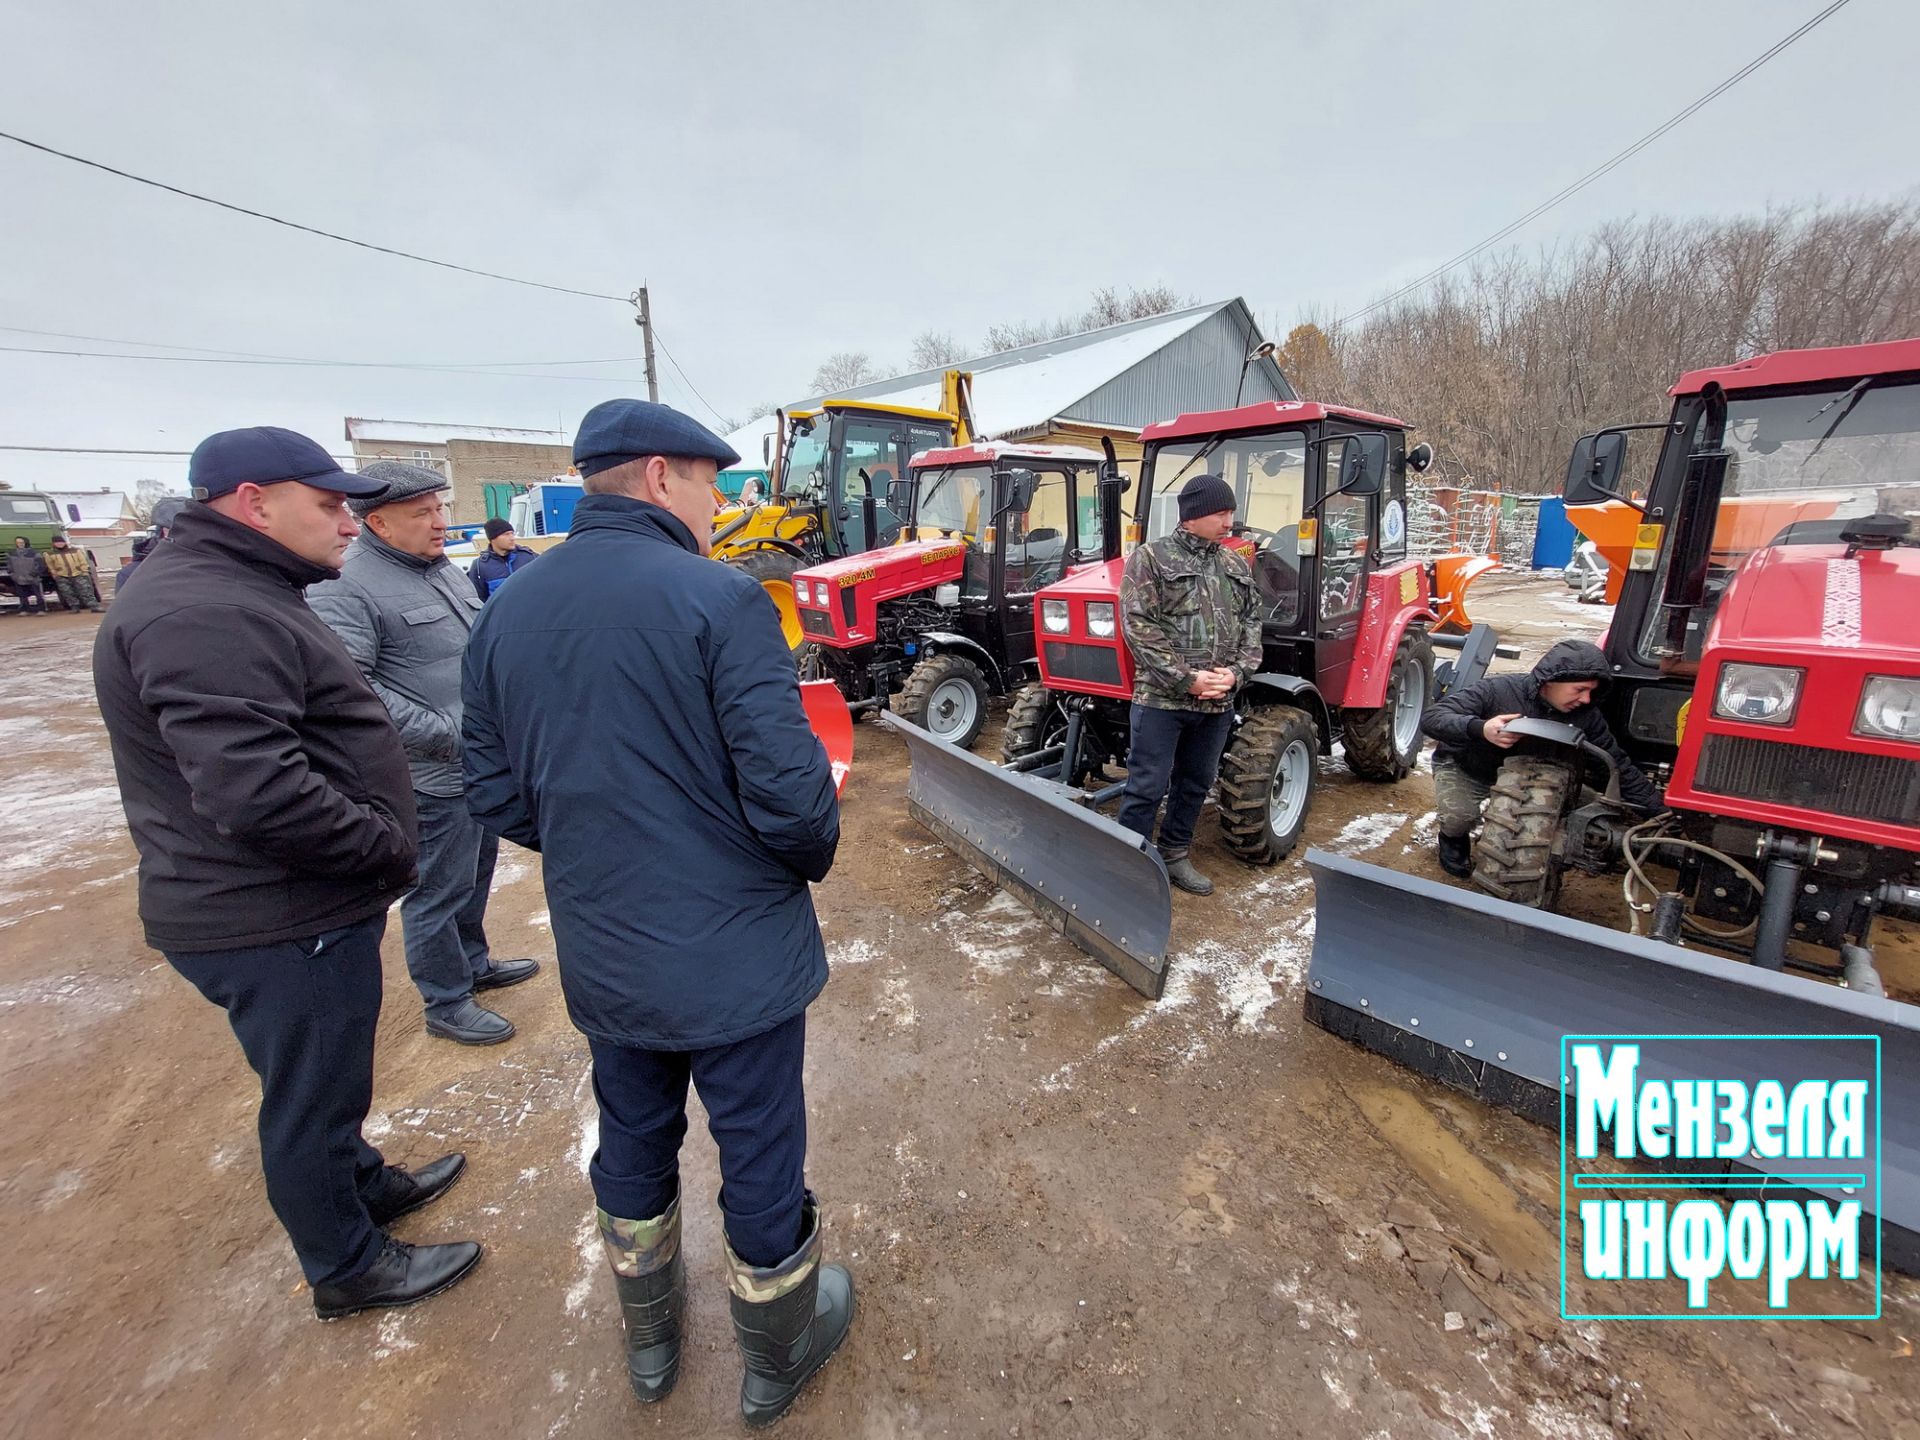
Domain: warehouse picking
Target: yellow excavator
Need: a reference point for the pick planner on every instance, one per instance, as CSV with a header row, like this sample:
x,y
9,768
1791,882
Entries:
x,y
839,478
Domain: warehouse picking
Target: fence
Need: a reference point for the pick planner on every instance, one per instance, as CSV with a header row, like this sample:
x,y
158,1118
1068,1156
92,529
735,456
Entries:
x,y
1448,520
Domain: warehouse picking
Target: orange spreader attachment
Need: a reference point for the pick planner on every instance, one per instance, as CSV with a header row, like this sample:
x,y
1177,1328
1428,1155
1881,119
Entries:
x,y
827,713
1452,574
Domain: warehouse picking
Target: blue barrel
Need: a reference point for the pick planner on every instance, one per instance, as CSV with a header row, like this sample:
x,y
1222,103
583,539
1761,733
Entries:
x,y
1555,538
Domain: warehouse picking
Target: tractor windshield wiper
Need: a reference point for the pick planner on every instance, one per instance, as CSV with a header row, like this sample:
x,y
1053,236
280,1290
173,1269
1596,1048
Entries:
x,y
1202,453
1846,403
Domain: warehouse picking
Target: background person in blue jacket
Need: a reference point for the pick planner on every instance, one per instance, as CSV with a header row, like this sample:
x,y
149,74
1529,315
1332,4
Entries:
x,y
498,559
631,712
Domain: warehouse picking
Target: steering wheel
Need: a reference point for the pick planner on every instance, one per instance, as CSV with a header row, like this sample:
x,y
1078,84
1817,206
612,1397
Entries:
x,y
1261,537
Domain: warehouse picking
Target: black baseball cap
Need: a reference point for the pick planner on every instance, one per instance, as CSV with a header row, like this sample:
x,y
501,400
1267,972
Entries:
x,y
268,455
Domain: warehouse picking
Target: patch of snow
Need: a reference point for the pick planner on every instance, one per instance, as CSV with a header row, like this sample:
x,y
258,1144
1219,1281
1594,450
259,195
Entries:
x,y
377,1125
851,952
1366,831
512,872
541,921
586,1241
896,1003
393,1336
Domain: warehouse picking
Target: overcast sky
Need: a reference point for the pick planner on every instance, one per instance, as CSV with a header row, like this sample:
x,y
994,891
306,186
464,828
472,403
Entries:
x,y
793,181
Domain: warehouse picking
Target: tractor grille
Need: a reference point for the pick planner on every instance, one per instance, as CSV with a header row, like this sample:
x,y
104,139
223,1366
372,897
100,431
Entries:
x,y
1096,664
1806,777
816,622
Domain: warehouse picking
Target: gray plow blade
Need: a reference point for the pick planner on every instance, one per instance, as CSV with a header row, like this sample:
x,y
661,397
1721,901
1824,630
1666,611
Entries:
x,y
1477,993
1102,887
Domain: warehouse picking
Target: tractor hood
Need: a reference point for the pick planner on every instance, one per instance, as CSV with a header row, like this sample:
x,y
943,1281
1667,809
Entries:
x,y
1807,598
838,600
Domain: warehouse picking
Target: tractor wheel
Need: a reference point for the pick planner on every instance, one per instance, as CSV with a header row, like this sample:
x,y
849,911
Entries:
x,y
1266,783
774,570
946,695
1035,720
1526,808
1382,744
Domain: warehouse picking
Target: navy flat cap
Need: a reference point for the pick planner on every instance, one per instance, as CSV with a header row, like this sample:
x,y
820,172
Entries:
x,y
403,482
616,431
268,455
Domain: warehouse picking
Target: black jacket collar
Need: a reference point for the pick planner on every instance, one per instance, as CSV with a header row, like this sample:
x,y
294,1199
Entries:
x,y
623,512
205,531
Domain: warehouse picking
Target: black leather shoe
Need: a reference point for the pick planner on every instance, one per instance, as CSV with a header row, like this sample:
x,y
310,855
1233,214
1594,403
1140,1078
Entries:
x,y
1456,855
407,1190
502,973
402,1275
470,1024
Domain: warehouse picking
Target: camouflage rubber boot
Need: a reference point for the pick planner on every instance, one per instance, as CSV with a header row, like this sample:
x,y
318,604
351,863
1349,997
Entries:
x,y
787,1319
1181,872
652,1281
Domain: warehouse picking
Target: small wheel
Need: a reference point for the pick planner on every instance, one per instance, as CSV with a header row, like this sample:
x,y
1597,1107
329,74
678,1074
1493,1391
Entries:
x,y
1526,808
774,570
1035,720
1266,783
1383,743
946,695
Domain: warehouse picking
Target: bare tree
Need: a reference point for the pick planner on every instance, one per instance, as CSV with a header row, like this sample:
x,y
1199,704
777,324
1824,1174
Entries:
x,y
843,370
147,494
1107,307
934,350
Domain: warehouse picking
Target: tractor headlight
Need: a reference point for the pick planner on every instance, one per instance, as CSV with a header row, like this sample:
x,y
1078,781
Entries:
x,y
1053,616
1100,619
1889,708
1758,694
819,593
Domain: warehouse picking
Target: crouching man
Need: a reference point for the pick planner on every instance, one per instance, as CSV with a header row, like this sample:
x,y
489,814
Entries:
x,y
632,713
1470,726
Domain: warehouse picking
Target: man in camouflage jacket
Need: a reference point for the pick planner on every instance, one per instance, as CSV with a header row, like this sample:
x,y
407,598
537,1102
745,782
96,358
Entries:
x,y
1191,619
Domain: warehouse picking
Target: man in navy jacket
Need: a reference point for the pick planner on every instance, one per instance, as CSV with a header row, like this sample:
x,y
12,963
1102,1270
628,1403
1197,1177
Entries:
x,y
631,712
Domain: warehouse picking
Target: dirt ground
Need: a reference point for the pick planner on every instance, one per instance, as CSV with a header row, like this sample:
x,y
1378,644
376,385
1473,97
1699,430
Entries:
x,y
1069,1211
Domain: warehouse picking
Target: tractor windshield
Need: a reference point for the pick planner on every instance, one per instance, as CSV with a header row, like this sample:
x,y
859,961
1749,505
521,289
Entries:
x,y
1268,476
1798,463
956,498
806,469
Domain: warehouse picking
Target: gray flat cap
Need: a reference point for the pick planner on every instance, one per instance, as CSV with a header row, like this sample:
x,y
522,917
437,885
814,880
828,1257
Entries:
x,y
403,482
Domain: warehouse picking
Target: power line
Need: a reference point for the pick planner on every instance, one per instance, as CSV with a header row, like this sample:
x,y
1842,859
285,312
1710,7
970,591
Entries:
x,y
308,360
1600,170
312,364
309,229
688,383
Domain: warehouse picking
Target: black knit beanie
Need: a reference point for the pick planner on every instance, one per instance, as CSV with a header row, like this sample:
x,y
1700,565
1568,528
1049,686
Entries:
x,y
1204,495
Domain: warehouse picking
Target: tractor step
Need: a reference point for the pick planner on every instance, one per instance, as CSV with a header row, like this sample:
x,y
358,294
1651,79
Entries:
x,y
1103,887
1478,994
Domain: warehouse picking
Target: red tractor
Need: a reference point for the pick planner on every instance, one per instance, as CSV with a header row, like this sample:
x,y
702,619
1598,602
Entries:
x,y
937,625
1321,516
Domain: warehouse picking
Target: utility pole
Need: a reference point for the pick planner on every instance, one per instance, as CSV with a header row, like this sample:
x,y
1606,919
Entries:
x,y
645,321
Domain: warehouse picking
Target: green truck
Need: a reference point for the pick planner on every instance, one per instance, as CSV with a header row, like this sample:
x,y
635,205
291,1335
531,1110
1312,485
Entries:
x,y
28,513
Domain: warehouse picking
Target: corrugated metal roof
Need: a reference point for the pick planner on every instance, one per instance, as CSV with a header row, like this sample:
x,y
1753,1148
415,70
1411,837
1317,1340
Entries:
x,y
1118,375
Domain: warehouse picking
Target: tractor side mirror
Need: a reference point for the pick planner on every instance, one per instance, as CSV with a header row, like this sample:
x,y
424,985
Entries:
x,y
1363,463
1420,458
899,494
766,452
1020,487
1593,470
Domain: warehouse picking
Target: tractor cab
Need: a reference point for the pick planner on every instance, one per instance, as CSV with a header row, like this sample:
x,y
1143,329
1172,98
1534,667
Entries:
x,y
944,618
1320,515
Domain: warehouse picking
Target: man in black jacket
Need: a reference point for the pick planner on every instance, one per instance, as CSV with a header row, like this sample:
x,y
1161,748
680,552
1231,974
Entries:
x,y
498,558
1470,723
268,795
631,712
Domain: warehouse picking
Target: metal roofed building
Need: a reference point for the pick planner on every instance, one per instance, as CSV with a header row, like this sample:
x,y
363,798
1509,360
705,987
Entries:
x,y
1120,378
485,464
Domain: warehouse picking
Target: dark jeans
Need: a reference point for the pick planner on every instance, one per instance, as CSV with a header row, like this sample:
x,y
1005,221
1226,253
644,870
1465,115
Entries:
x,y
1174,754
756,1112
443,918
304,1013
30,591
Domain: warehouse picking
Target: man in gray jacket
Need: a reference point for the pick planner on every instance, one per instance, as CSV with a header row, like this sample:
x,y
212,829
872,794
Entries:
x,y
404,611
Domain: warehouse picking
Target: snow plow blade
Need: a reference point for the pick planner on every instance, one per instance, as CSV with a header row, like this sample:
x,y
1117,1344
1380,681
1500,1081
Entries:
x,y
1476,993
1102,887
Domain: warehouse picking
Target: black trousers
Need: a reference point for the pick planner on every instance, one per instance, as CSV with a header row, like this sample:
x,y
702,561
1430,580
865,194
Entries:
x,y
304,1012
756,1112
1173,754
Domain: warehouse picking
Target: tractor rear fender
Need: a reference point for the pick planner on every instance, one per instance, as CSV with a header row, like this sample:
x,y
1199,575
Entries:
x,y
935,642
1396,598
1272,688
1479,994
1537,736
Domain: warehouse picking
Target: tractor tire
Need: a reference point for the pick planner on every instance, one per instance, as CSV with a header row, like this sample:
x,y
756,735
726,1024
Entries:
x,y
774,569
1383,743
1035,720
1526,809
1266,783
945,695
